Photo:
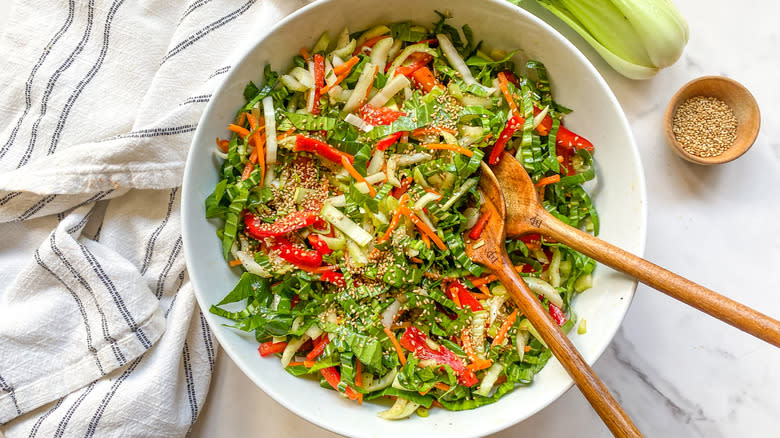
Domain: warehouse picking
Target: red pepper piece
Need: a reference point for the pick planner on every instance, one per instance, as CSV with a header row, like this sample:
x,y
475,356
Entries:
x,y
388,141
415,341
293,221
294,301
317,243
399,191
332,375
379,116
512,125
476,231
297,256
324,150
271,347
424,79
566,138
319,81
417,61
557,314
319,347
336,278
464,297
511,78
433,42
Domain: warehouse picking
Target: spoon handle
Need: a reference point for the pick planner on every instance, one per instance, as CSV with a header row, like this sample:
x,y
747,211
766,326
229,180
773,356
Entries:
x,y
583,375
680,288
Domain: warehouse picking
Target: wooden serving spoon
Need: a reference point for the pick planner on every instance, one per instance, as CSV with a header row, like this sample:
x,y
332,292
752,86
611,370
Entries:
x,y
489,251
525,214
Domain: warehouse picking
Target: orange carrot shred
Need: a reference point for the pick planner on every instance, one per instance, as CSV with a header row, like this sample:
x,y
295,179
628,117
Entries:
x,y
441,385
451,147
424,228
504,328
397,346
426,240
305,53
240,130
487,279
394,221
285,134
295,364
548,180
527,348
223,145
234,263
358,177
503,83
248,168
345,66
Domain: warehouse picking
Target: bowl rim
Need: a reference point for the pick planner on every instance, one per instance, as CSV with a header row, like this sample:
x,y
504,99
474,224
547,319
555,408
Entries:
x,y
190,256
675,102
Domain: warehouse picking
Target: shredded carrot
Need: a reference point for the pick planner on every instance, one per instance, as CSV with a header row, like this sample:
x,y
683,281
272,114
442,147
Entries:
x,y
484,289
429,190
504,329
450,147
481,281
397,346
405,137
305,53
241,118
503,83
479,296
477,363
426,240
285,134
318,270
295,364
442,386
223,145
358,373
453,292
430,130
560,158
248,168
384,170
309,363
424,228
240,130
258,138
339,79
358,177
346,66
368,91
416,260
548,180
437,404
394,221
234,263
527,348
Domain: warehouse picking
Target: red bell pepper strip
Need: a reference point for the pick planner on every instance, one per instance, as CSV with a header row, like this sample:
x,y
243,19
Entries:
x,y
318,244
293,221
369,43
332,375
268,348
433,42
336,278
424,79
388,141
415,341
297,256
564,138
476,231
511,78
417,60
379,116
465,299
319,81
512,125
557,314
324,150
319,347
405,183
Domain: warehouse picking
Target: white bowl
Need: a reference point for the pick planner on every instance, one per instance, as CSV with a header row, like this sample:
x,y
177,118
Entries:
x,y
619,196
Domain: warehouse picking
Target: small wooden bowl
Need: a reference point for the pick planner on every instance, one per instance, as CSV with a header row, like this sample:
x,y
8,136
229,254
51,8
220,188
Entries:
x,y
736,96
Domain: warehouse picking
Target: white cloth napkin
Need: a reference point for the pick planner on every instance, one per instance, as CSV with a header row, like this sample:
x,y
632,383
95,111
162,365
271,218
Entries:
x,y
100,334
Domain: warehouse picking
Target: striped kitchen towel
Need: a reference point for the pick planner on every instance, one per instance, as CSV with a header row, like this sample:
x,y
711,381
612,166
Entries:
x,y
100,334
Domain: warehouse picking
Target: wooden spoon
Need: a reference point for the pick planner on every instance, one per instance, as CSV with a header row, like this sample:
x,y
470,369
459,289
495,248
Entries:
x,y
491,253
525,214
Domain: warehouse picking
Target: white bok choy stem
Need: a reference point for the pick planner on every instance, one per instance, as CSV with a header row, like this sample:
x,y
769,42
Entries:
x,y
393,86
270,130
361,89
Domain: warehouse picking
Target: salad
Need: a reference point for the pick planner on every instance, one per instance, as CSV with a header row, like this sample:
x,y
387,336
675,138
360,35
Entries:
x,y
348,185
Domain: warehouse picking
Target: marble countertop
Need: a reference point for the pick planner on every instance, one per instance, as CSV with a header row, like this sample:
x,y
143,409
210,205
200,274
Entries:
x,y
677,372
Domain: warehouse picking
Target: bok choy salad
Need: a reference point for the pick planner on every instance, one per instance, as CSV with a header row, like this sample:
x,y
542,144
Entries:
x,y
348,186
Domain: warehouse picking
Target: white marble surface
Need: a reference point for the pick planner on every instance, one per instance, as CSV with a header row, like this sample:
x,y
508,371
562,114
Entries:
x,y
678,373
